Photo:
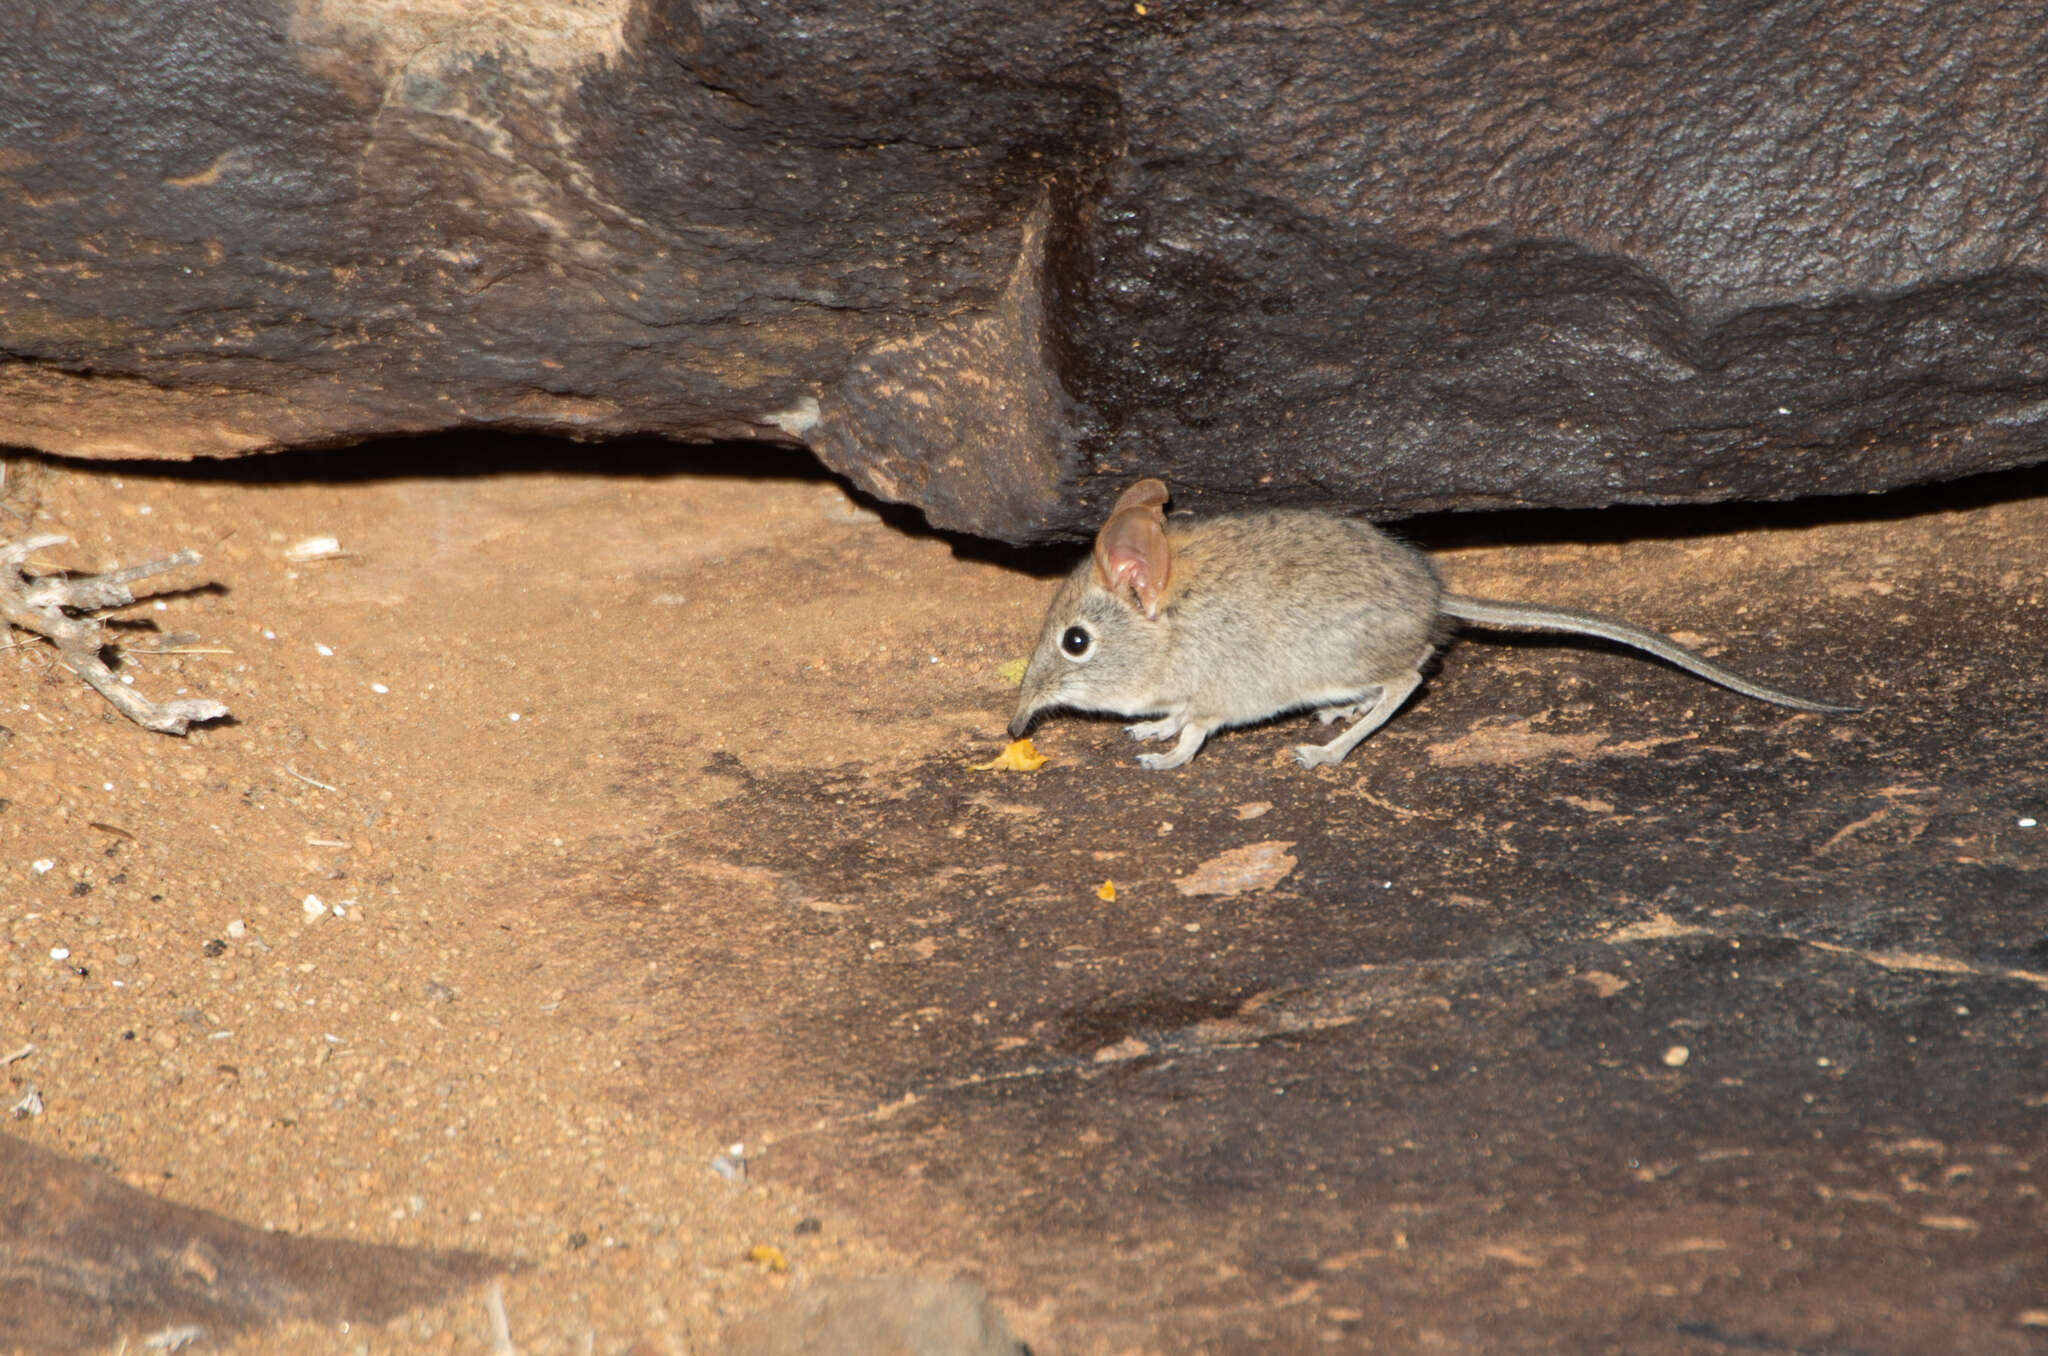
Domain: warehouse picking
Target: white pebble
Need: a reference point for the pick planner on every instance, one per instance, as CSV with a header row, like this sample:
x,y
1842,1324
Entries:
x,y
324,651
237,929
41,865
1676,1056
60,953
313,907
2028,822
269,634
379,688
512,716
313,548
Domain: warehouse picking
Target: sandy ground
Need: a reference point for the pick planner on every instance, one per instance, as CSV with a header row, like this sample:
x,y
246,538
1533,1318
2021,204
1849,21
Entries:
x,y
303,969
277,1001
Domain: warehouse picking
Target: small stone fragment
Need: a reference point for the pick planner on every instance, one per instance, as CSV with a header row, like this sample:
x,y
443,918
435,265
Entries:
x,y
1255,866
312,548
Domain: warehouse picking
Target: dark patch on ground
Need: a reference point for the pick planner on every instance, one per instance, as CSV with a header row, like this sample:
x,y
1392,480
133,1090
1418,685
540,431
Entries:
x,y
1601,1010
85,1261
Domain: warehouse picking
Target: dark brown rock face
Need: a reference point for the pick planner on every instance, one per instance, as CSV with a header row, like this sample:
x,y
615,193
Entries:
x,y
994,260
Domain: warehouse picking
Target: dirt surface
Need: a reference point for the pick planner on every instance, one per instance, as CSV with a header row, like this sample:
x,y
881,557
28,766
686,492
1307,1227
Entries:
x,y
597,813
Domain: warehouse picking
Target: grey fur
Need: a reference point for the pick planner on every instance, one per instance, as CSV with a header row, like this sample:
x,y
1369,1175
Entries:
x,y
1278,611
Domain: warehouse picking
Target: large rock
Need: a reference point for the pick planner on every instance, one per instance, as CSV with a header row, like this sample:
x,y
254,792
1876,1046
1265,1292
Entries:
x,y
995,259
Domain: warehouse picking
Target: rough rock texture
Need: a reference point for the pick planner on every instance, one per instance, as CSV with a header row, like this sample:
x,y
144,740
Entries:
x,y
987,258
84,1260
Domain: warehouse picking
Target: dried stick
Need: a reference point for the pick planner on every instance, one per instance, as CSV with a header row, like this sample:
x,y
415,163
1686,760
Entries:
x,y
44,606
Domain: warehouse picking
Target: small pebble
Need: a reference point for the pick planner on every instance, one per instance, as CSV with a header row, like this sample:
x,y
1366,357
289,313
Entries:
x,y
312,548
237,929
313,907
41,866
60,953
2028,822
324,651
379,688
732,1164
1676,1056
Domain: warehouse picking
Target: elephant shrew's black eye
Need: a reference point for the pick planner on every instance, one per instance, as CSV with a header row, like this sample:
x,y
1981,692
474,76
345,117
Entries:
x,y
1077,642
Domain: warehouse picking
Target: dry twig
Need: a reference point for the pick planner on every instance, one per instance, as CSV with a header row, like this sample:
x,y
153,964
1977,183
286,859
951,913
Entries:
x,y
45,606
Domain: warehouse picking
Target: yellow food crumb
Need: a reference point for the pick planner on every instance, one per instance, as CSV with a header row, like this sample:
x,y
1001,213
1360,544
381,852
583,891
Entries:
x,y
1011,671
1017,756
1106,892
768,1257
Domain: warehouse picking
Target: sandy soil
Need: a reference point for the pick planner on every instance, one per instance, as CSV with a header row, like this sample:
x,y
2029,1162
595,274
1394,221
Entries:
x,y
311,969
440,709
